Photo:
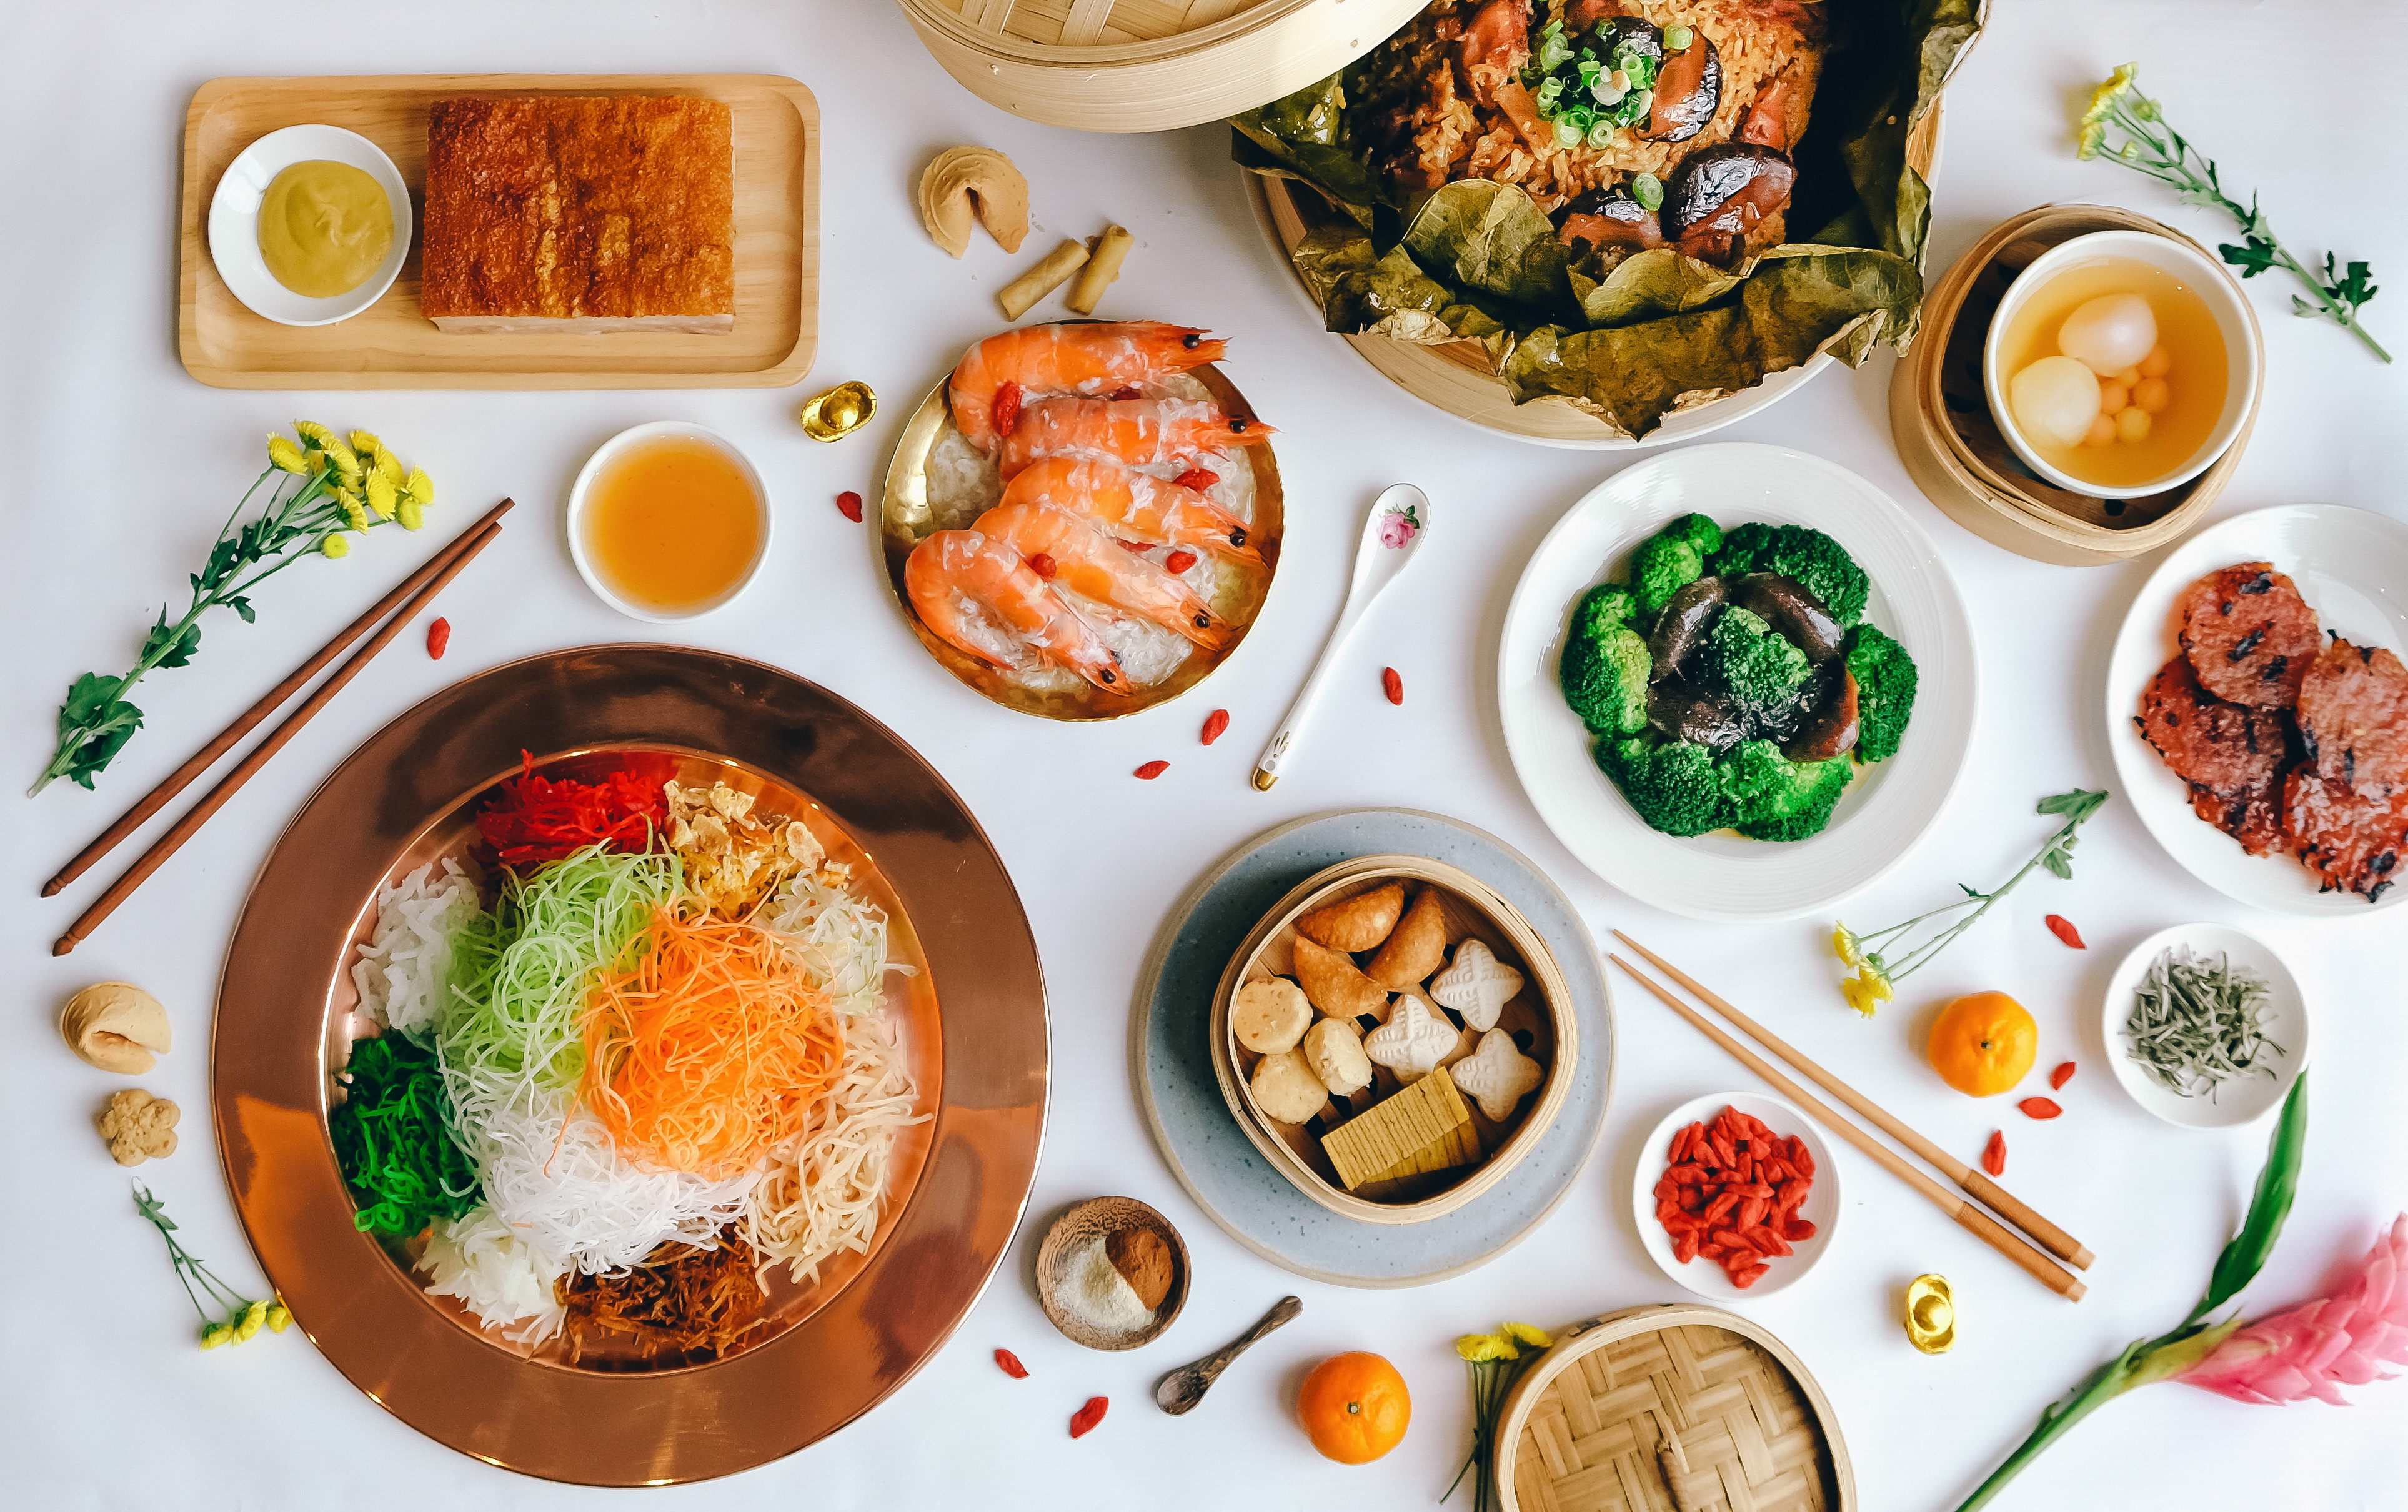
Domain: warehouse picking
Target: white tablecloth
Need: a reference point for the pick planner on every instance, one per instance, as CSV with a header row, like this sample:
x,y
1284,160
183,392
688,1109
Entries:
x,y
115,468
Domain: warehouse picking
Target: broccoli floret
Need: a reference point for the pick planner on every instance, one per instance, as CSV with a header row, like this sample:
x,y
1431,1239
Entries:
x,y
1672,786
1752,665
1605,665
1770,797
1885,678
1817,563
1671,559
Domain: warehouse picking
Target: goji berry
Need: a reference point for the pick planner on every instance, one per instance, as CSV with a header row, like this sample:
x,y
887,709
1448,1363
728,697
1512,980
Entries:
x,y
1139,547
1088,1415
1198,479
850,503
2039,1107
1994,1154
1215,724
1152,769
1042,564
1011,1364
1128,390
1178,561
1392,684
2063,929
438,638
1005,410
2060,1076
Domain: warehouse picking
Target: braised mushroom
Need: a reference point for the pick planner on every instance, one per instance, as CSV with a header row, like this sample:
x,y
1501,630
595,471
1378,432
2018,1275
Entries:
x,y
1787,606
1677,711
1608,218
1832,727
1783,723
1720,194
1689,91
1682,624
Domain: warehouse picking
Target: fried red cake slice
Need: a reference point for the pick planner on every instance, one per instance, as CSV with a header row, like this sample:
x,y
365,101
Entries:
x,y
2352,841
2233,756
2354,716
2249,635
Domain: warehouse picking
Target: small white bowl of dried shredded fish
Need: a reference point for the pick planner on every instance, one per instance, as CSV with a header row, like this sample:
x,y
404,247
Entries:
x,y
2205,1026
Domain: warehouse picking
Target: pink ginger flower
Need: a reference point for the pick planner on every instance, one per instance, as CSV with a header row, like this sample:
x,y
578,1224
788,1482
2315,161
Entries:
x,y
2302,1352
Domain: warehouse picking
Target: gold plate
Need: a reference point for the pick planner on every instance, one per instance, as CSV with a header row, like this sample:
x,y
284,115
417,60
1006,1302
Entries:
x,y
974,1025
905,519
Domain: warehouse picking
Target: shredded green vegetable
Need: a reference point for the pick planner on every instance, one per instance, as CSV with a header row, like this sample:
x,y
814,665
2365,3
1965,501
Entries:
x,y
2196,1025
391,1135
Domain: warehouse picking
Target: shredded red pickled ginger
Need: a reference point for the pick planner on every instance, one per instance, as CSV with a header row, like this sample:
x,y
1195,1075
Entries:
x,y
535,819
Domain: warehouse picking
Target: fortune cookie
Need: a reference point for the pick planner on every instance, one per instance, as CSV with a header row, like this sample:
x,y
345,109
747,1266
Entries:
x,y
116,1026
1336,988
1416,947
1356,923
1334,1048
1498,1075
1268,1017
1476,984
1286,1090
967,184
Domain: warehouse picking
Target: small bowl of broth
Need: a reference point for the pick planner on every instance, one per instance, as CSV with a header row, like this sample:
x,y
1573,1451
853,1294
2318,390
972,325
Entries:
x,y
668,522
2121,363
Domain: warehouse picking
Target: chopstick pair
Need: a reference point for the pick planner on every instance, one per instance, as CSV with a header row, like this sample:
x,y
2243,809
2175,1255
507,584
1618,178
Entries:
x,y
404,603
1967,1215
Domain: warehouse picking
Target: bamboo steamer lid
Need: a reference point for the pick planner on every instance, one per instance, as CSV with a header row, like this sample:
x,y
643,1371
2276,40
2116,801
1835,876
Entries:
x,y
1129,65
1941,422
1678,1406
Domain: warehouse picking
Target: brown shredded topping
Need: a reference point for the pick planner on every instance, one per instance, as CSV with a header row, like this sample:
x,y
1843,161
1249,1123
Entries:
x,y
683,1307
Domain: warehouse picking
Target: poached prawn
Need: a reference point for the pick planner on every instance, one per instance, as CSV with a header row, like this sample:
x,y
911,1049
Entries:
x,y
996,376
1144,433
1062,546
953,573
1126,502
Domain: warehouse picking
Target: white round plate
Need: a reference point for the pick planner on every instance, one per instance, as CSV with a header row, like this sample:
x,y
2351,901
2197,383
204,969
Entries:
x,y
2243,1100
1821,1207
2352,568
233,223
609,451
1880,820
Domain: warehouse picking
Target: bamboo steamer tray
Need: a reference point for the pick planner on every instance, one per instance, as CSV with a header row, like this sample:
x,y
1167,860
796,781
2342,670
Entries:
x,y
1541,1018
1941,418
1131,66
1675,1406
906,518
391,345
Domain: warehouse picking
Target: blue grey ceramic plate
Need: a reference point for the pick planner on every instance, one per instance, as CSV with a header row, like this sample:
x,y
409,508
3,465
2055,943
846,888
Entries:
x,y
1171,1043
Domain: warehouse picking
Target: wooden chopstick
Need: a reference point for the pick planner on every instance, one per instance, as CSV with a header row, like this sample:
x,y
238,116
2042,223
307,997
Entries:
x,y
1967,1215
2049,1236
184,828
185,776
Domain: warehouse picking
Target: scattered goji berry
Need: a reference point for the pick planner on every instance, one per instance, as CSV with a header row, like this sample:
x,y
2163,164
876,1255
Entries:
x,y
1139,547
1128,390
438,638
1994,1154
2039,1107
1088,1415
1215,724
2060,1076
1392,684
850,503
1178,562
1042,564
1198,479
1011,1364
2063,929
1005,410
1152,769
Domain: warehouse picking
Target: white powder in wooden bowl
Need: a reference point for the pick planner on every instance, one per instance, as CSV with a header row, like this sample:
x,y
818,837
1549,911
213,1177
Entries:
x,y
1099,1296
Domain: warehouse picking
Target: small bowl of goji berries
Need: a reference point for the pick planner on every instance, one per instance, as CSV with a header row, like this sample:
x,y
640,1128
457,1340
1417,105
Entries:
x,y
1735,1195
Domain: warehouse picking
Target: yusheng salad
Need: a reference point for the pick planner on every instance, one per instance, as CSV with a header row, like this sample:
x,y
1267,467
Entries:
x,y
632,1061
1622,199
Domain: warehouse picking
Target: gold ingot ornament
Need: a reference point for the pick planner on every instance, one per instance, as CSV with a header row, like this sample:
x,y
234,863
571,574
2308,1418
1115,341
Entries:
x,y
839,412
1930,1315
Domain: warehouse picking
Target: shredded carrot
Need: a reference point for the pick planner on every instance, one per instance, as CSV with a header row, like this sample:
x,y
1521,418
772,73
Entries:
x,y
709,1054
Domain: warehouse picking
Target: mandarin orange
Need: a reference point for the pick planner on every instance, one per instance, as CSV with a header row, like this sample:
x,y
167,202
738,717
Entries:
x,y
1983,1043
1355,1407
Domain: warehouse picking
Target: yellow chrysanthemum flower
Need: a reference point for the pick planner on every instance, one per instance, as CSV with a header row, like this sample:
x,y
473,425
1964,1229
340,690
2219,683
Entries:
x,y
216,1334
1843,944
346,461
1535,1337
280,1318
410,513
319,437
365,443
387,467
284,456
2086,145
1482,1348
336,545
1866,991
2103,99
355,509
419,486
254,1318
382,496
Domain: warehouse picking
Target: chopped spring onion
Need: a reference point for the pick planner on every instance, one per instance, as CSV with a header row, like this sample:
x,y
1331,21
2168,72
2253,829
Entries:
x,y
1601,134
1677,38
1568,132
1648,191
2196,1025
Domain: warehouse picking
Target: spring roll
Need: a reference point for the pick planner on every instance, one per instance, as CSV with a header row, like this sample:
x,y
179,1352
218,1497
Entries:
x,y
1021,293
1111,250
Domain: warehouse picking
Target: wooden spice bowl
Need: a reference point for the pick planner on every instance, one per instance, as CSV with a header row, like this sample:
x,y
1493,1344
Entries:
x,y
1673,1405
1540,1019
1099,1217
1953,449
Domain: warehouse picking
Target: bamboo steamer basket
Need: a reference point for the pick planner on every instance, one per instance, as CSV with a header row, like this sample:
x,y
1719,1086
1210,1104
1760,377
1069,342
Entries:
x,y
1679,1406
1131,66
1542,1016
1941,421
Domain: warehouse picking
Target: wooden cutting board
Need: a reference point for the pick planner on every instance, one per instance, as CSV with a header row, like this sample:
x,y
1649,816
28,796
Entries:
x,y
391,345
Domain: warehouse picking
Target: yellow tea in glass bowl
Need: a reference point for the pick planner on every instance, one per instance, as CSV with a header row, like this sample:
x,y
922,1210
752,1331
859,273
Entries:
x,y
2114,372
668,522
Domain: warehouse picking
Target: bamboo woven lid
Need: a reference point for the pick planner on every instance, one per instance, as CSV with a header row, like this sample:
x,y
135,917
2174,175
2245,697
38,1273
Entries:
x,y
1672,1409
1147,65
1940,419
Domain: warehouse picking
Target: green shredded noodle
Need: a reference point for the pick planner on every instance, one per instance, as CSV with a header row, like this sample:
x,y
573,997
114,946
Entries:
x,y
390,1134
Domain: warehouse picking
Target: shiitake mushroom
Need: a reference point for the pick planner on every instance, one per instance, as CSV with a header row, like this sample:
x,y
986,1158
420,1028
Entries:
x,y
1682,624
1689,91
1783,724
1787,606
1720,194
1608,218
1832,729
1677,711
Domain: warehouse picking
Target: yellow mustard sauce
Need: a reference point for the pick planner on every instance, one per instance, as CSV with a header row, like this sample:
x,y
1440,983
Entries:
x,y
324,228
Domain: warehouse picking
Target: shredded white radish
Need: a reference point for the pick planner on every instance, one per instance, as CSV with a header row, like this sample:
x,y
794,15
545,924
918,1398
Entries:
x,y
558,1181
500,1276
405,971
